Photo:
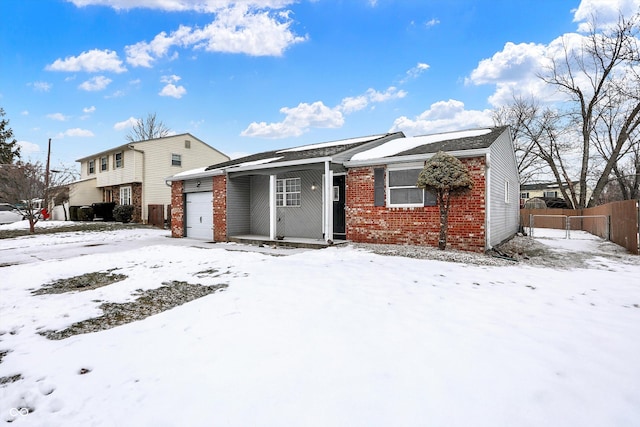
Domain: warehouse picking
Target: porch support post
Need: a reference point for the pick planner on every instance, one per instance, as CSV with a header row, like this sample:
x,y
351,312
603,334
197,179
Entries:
x,y
328,201
273,213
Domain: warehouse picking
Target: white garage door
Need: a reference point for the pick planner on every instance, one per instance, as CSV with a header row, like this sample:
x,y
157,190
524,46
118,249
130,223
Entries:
x,y
200,216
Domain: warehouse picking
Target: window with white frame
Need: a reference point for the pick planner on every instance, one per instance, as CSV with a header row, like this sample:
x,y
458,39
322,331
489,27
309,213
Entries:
x,y
176,160
125,195
104,164
507,196
550,194
524,195
117,160
288,192
91,167
403,191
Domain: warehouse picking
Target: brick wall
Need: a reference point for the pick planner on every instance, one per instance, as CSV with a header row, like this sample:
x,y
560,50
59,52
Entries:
x,y
220,208
177,209
136,201
367,223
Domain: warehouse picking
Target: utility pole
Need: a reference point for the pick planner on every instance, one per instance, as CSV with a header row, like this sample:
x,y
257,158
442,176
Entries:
x,y
46,179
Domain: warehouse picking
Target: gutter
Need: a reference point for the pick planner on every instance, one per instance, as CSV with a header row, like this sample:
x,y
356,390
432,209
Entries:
x,y
231,169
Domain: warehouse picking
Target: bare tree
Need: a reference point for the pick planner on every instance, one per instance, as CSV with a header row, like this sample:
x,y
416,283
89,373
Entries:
x,y
541,145
617,141
149,128
594,77
23,184
447,176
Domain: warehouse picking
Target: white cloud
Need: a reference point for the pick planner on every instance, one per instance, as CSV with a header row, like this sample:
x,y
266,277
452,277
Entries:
x,y
352,104
25,113
126,124
89,110
173,91
95,84
92,61
607,11
515,70
170,89
170,79
415,72
513,63
300,119
432,23
235,29
76,132
443,116
41,86
58,116
116,94
297,121
27,148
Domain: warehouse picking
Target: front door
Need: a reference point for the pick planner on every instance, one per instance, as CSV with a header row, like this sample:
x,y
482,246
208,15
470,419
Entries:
x,y
339,219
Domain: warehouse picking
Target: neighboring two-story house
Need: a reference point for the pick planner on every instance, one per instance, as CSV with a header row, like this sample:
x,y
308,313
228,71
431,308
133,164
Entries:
x,y
549,192
134,173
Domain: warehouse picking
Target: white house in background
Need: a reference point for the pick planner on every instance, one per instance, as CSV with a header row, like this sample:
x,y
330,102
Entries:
x,y
133,173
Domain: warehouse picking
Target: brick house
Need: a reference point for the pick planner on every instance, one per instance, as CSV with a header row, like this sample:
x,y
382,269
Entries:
x,y
359,190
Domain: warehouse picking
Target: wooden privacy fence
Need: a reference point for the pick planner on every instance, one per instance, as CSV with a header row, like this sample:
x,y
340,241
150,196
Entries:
x,y
156,215
624,221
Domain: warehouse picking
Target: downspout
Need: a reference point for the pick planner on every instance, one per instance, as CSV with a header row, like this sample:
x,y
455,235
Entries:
x,y
328,202
142,180
487,202
273,212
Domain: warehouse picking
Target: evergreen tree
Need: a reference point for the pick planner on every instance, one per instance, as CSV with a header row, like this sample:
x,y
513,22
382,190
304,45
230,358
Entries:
x,y
9,149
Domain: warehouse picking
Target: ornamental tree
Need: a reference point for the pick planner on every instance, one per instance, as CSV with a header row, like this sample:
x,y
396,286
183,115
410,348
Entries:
x,y
447,177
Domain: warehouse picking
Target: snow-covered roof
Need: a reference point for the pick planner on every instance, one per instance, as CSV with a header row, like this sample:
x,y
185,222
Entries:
x,y
331,144
400,145
190,172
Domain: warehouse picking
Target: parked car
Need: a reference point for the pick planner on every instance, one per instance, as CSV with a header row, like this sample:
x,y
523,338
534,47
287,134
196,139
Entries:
x,y
9,214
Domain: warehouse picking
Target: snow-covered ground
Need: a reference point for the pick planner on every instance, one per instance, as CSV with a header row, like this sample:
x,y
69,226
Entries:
x,y
332,337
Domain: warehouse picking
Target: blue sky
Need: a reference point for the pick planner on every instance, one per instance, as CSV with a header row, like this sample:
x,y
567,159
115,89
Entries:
x,y
255,75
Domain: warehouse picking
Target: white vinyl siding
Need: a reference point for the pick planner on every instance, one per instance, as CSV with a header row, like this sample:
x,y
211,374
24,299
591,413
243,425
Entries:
x,y
504,182
150,164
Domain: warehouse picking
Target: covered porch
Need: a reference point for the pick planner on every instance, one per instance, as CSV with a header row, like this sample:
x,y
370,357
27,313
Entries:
x,y
293,204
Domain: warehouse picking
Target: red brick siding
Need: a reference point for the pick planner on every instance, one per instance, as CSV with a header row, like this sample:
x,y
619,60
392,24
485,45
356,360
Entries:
x,y
367,223
136,198
136,201
220,208
177,209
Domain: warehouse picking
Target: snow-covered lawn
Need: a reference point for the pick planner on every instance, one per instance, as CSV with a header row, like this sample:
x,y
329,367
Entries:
x,y
332,337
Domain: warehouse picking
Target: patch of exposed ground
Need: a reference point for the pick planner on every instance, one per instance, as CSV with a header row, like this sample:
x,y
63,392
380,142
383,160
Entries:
x,y
150,302
71,227
519,249
84,282
427,252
